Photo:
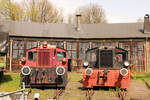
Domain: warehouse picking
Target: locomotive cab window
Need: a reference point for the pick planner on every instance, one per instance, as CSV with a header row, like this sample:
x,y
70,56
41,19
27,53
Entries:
x,y
121,57
61,55
106,58
100,58
91,57
32,55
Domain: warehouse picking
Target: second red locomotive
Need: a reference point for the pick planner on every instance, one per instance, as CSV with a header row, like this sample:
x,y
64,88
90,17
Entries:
x,y
45,66
106,67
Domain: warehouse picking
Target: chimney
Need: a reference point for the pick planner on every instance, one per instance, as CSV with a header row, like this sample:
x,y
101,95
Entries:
x,y
146,24
78,16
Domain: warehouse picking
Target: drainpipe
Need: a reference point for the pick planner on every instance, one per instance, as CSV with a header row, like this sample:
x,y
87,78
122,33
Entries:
x,y
38,44
65,45
90,45
146,54
11,55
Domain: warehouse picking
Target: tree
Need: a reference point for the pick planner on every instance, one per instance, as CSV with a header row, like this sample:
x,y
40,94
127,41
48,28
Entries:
x,y
10,10
70,19
42,11
92,14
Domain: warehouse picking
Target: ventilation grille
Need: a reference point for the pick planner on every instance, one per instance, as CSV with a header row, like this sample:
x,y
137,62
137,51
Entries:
x,y
45,57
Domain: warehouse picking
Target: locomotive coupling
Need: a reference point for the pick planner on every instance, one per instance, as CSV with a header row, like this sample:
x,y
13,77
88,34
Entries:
x,y
25,70
60,70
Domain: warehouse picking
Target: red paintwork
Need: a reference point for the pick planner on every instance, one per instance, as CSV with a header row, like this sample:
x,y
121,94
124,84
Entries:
x,y
52,57
114,79
48,60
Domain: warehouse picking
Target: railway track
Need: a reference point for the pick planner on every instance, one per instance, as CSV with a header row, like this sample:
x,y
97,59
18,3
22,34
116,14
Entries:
x,y
89,94
57,93
122,95
147,84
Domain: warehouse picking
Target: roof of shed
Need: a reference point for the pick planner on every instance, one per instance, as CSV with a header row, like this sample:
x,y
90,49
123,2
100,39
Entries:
x,y
28,29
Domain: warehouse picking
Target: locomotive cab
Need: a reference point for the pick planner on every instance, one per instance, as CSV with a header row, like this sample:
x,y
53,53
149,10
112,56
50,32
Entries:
x,y
45,66
106,66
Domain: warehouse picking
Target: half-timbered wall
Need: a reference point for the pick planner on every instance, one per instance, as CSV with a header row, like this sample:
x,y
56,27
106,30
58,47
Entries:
x,y
76,50
148,53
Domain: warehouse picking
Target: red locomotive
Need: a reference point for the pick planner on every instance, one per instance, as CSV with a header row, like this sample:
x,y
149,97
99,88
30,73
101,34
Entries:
x,y
45,66
106,67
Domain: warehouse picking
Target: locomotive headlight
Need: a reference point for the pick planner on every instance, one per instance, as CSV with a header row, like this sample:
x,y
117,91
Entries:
x,y
60,70
25,70
123,71
126,63
89,71
85,63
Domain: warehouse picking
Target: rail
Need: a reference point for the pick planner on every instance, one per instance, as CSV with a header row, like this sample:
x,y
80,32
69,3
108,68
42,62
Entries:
x,y
122,95
147,84
57,93
22,90
89,94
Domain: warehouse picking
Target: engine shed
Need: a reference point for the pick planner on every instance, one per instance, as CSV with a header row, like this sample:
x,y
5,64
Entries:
x,y
133,37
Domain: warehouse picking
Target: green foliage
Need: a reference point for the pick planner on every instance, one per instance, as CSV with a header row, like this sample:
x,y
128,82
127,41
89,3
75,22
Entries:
x,y
33,13
32,10
10,10
3,61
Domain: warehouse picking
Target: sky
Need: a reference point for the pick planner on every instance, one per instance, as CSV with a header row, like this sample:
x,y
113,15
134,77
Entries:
x,y
116,11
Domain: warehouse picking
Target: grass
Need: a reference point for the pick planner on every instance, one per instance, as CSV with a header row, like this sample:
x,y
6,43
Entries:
x,y
140,76
3,61
75,77
10,82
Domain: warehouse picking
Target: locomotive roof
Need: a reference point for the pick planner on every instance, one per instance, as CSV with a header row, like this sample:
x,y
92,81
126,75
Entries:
x,y
88,31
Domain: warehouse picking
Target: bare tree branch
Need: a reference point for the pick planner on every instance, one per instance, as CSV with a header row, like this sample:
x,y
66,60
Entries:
x,y
92,14
43,11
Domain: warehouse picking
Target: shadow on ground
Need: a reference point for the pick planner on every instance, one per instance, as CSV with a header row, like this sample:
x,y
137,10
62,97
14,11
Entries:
x,y
6,78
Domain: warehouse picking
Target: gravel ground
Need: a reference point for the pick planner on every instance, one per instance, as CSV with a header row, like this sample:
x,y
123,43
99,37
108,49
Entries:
x,y
138,91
